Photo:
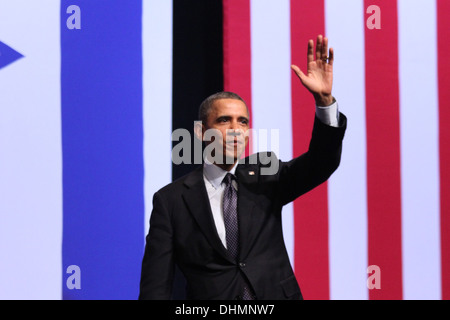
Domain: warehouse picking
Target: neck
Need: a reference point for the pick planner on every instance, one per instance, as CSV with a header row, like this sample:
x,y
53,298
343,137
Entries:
x,y
226,167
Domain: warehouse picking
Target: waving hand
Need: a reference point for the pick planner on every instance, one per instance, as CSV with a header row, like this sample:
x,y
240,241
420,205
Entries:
x,y
319,76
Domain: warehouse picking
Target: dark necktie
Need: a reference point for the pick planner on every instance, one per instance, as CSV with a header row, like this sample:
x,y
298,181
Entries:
x,y
230,216
231,225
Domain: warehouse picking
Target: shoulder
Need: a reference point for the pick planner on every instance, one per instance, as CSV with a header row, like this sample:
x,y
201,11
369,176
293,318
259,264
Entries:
x,y
179,184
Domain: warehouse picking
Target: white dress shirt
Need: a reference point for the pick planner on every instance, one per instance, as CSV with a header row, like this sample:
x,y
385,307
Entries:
x,y
214,175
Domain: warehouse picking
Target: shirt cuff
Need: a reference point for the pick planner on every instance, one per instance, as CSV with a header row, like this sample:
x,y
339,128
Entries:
x,y
329,115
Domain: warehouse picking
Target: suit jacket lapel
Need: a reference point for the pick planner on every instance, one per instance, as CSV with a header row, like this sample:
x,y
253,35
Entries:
x,y
246,203
197,201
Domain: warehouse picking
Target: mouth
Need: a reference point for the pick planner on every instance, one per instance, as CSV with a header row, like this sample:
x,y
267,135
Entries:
x,y
234,142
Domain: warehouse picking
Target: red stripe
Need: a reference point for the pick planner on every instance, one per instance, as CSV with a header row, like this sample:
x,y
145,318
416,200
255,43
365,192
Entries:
x,y
443,16
383,151
310,210
237,51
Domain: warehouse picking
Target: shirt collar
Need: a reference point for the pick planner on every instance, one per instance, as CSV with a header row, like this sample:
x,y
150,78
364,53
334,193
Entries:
x,y
215,174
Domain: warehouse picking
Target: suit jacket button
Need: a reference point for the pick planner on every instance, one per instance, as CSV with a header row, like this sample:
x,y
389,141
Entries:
x,y
242,264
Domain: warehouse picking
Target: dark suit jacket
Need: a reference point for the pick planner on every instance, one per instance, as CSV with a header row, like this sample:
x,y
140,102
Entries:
x,y
182,230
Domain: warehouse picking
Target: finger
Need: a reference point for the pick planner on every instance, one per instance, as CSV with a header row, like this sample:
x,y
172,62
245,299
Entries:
x,y
319,47
298,72
324,49
331,59
310,54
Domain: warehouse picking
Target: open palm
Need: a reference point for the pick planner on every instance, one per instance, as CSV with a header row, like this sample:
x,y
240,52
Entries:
x,y
319,76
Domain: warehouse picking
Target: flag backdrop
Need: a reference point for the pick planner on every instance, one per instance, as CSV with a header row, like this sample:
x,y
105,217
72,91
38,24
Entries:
x,y
86,117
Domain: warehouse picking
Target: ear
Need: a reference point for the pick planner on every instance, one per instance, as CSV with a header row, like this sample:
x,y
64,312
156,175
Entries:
x,y
199,128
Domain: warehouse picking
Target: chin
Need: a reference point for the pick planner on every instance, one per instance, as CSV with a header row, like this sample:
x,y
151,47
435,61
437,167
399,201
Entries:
x,y
230,159
233,156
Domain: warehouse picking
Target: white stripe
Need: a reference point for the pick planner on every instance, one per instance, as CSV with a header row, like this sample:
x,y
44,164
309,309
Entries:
x,y
157,83
347,186
31,155
419,132
271,84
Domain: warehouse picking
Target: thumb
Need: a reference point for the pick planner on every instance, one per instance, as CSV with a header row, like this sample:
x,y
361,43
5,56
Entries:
x,y
298,72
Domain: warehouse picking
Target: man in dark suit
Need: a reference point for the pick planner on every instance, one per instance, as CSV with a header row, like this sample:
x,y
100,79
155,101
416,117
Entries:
x,y
221,224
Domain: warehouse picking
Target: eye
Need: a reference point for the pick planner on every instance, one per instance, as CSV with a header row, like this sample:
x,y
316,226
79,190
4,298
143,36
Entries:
x,y
222,120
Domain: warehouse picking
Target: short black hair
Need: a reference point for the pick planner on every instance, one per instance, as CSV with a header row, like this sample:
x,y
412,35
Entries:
x,y
206,105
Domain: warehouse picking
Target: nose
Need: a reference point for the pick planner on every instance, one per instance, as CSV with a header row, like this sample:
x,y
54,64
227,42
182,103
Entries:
x,y
231,128
234,125
235,128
